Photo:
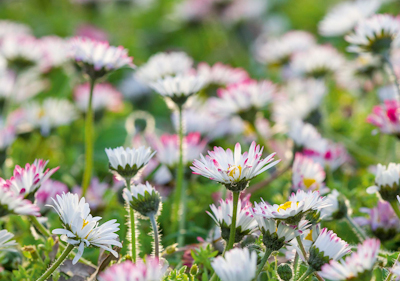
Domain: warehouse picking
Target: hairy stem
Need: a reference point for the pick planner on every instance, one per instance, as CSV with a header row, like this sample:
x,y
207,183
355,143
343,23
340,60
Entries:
x,y
232,233
356,228
156,240
132,224
88,141
57,263
268,252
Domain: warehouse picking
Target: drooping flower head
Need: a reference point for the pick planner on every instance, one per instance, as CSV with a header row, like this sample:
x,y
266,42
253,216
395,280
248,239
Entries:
x,y
151,270
143,198
386,117
97,58
387,181
375,35
328,246
244,99
357,266
5,243
222,215
237,265
81,229
233,169
26,181
11,203
126,162
343,17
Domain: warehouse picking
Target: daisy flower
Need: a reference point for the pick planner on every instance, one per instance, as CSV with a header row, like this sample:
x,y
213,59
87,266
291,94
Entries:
x,y
338,207
162,65
377,35
143,198
244,99
317,62
105,96
307,174
167,148
152,270
81,229
357,266
386,117
179,88
222,215
303,133
387,181
7,136
5,243
343,17
98,58
237,265
277,51
233,169
328,246
126,162
26,181
55,50
10,203
8,27
47,190
222,75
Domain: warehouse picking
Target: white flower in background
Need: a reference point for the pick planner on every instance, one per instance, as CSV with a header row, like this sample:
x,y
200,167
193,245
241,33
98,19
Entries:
x,y
180,87
52,113
222,215
328,246
359,265
128,161
307,174
167,147
105,96
55,49
11,203
8,27
343,17
237,265
152,270
221,74
143,198
387,92
233,169
7,80
132,88
81,229
162,65
243,10
387,181
317,62
279,50
7,136
376,35
332,199
242,98
303,133
98,58
26,181
49,189
6,244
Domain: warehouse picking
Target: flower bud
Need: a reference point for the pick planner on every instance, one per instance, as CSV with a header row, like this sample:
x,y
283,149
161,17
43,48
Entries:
x,y
285,272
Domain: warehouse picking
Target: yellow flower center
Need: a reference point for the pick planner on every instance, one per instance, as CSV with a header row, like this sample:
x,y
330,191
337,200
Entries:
x,y
235,172
41,113
309,236
286,206
85,223
308,182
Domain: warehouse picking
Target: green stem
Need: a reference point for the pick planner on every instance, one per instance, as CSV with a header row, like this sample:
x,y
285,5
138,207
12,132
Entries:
x,y
57,263
392,73
306,274
268,252
296,265
88,141
156,240
214,277
389,277
356,229
180,195
132,224
303,250
232,233
395,207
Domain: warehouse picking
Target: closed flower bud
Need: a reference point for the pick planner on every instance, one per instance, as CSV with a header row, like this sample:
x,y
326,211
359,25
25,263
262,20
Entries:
x,y
285,272
194,270
143,198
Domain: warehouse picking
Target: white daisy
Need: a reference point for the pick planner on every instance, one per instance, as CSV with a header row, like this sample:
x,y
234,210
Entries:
x,y
279,50
143,198
55,49
376,35
359,265
10,203
387,181
234,170
26,181
5,243
343,17
98,58
221,74
128,161
162,65
329,212
248,96
222,215
81,229
303,133
328,246
237,265
49,189
8,27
